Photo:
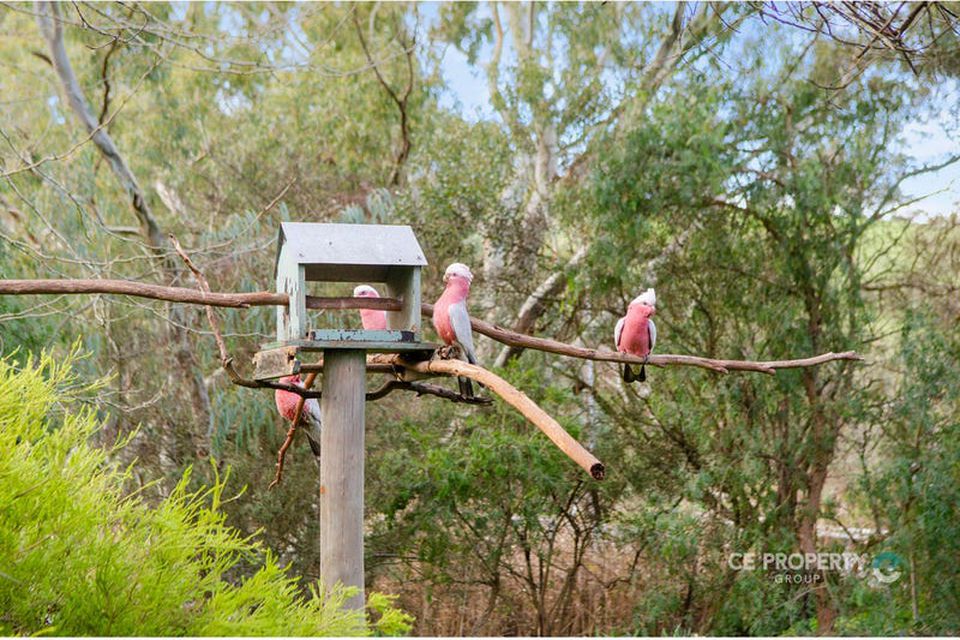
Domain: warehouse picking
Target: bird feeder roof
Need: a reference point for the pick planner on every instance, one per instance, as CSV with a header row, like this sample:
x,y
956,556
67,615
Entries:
x,y
343,252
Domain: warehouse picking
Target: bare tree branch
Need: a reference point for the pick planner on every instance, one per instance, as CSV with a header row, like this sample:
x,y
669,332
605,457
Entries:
x,y
400,101
507,337
52,29
187,296
504,336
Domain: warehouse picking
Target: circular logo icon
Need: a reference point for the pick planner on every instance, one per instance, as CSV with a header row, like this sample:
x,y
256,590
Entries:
x,y
886,567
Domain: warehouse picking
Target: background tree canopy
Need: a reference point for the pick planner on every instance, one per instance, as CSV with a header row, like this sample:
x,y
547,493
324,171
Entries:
x,y
748,160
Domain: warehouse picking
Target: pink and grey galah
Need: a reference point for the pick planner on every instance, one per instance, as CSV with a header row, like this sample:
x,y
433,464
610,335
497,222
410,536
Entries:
x,y
451,319
636,333
373,319
310,418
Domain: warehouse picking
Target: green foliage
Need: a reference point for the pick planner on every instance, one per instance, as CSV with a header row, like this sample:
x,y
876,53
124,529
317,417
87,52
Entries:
x,y
20,332
914,492
82,557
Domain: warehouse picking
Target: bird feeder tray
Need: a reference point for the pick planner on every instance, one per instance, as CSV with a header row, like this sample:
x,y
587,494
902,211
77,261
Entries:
x,y
278,360
378,341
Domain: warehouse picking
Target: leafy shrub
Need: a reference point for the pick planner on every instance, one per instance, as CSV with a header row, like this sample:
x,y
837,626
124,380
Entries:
x,y
79,556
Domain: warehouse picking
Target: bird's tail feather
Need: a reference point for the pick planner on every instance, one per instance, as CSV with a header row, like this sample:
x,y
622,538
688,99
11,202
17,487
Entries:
x,y
629,375
472,359
466,387
314,441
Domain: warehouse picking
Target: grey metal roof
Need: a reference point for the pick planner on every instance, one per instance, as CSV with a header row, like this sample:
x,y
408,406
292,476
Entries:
x,y
384,245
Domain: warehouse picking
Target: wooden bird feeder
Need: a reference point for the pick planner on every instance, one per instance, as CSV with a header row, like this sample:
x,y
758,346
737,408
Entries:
x,y
355,253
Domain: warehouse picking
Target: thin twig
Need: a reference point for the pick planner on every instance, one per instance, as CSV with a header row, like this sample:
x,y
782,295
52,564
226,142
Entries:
x,y
204,287
400,101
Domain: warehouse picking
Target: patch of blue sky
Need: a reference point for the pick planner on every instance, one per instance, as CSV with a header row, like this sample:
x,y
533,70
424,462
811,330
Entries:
x,y
465,89
53,102
931,141
178,11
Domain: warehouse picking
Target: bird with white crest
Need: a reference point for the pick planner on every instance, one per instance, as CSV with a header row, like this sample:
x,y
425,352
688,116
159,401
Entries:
x,y
451,318
636,333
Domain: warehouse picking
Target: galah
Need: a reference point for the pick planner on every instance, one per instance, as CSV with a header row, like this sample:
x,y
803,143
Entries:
x,y
636,333
373,319
310,417
451,319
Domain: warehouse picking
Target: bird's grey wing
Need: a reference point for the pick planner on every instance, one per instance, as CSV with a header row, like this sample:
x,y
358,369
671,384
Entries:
x,y
311,413
653,333
460,321
616,333
311,423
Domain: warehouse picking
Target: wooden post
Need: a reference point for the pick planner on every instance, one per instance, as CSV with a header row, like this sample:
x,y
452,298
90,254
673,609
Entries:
x,y
341,470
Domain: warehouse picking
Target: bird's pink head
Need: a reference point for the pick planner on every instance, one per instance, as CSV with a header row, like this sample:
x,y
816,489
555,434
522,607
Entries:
x,y
365,291
648,299
373,319
294,379
458,273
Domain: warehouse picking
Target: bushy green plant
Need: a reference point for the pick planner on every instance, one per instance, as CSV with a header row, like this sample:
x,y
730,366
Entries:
x,y
80,556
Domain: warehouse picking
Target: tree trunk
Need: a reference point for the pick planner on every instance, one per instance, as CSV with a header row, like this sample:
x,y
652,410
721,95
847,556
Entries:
x,y
51,26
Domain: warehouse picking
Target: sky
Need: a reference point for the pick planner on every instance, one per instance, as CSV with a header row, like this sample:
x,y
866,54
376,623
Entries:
x,y
927,142
930,143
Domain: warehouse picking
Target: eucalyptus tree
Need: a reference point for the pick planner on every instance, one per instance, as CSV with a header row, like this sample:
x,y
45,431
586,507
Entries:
x,y
557,76
780,185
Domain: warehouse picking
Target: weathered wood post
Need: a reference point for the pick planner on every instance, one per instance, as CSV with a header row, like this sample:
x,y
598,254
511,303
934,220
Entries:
x,y
341,469
312,252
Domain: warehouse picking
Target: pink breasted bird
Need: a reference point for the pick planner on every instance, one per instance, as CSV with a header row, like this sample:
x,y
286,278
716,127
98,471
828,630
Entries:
x,y
451,319
310,418
373,319
636,333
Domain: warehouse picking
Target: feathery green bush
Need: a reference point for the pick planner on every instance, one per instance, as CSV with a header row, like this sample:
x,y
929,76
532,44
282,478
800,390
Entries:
x,y
79,556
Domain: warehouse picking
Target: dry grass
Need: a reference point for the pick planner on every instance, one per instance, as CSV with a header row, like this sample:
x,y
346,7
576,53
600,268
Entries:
x,y
600,600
